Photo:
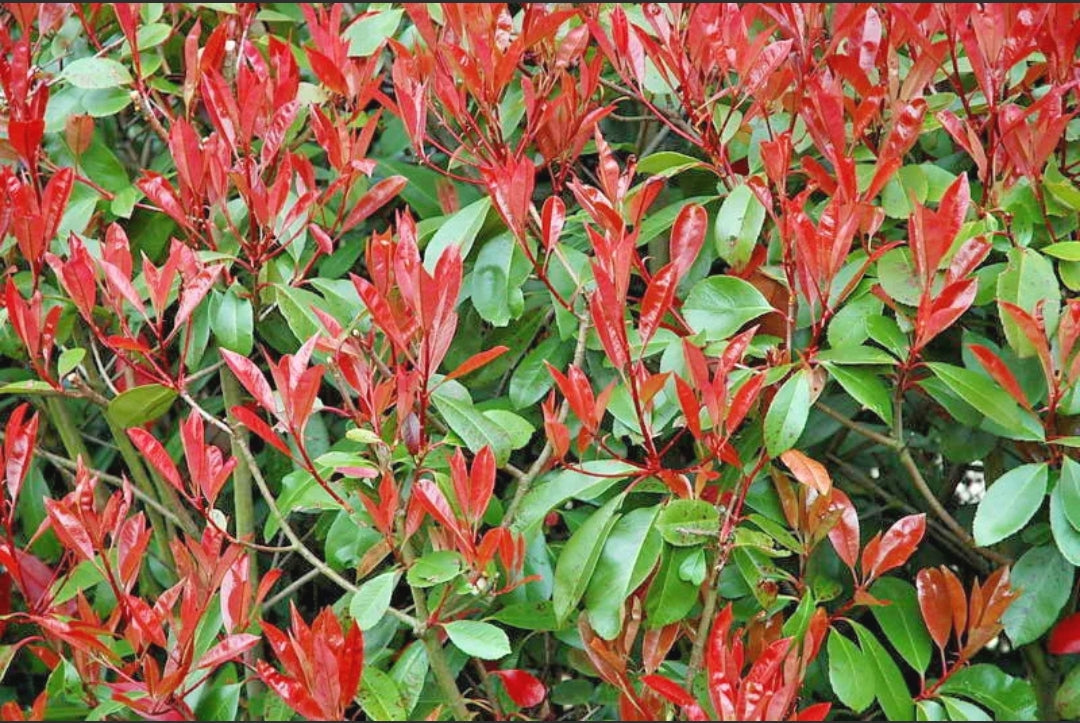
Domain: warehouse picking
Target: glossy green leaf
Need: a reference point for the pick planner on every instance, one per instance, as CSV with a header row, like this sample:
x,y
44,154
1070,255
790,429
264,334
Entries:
x,y
685,523
539,615
372,600
1010,698
991,400
233,322
901,621
847,673
455,405
738,225
889,686
720,305
367,34
91,73
866,388
459,230
1010,502
434,568
380,697
1044,578
531,379
478,639
1028,279
1070,490
579,557
139,405
670,597
787,415
632,546
590,480
491,291
1066,537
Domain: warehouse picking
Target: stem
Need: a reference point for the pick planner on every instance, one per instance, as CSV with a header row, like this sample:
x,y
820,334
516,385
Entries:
x,y
243,500
244,511
440,668
1044,678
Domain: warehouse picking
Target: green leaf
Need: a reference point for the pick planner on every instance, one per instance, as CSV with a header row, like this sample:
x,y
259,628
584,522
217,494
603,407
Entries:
x,y
670,597
962,710
1066,537
367,34
1028,279
531,379
1067,699
1070,490
1010,502
478,639
866,388
539,615
459,229
380,697
989,399
667,164
91,73
901,621
720,305
234,322
409,672
738,225
477,431
490,288
1009,698
139,405
434,568
29,386
593,479
929,710
517,428
896,272
847,673
889,686
1044,579
579,556
786,418
372,600
152,35
633,545
69,359
1064,250
685,523
218,701
295,305
856,356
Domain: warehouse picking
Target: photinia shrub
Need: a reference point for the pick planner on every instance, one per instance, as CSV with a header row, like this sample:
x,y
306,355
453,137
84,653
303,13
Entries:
x,y
539,361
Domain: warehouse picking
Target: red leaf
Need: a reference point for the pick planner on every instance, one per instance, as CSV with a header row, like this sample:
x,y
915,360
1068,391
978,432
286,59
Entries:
x,y
896,546
817,711
292,691
844,535
157,456
552,219
232,647
19,441
482,480
934,605
523,687
1001,373
657,301
255,423
668,688
1065,637
476,361
253,380
808,471
378,196
687,237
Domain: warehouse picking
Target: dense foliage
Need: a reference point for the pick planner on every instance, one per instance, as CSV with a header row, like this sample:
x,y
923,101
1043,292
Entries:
x,y
605,361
